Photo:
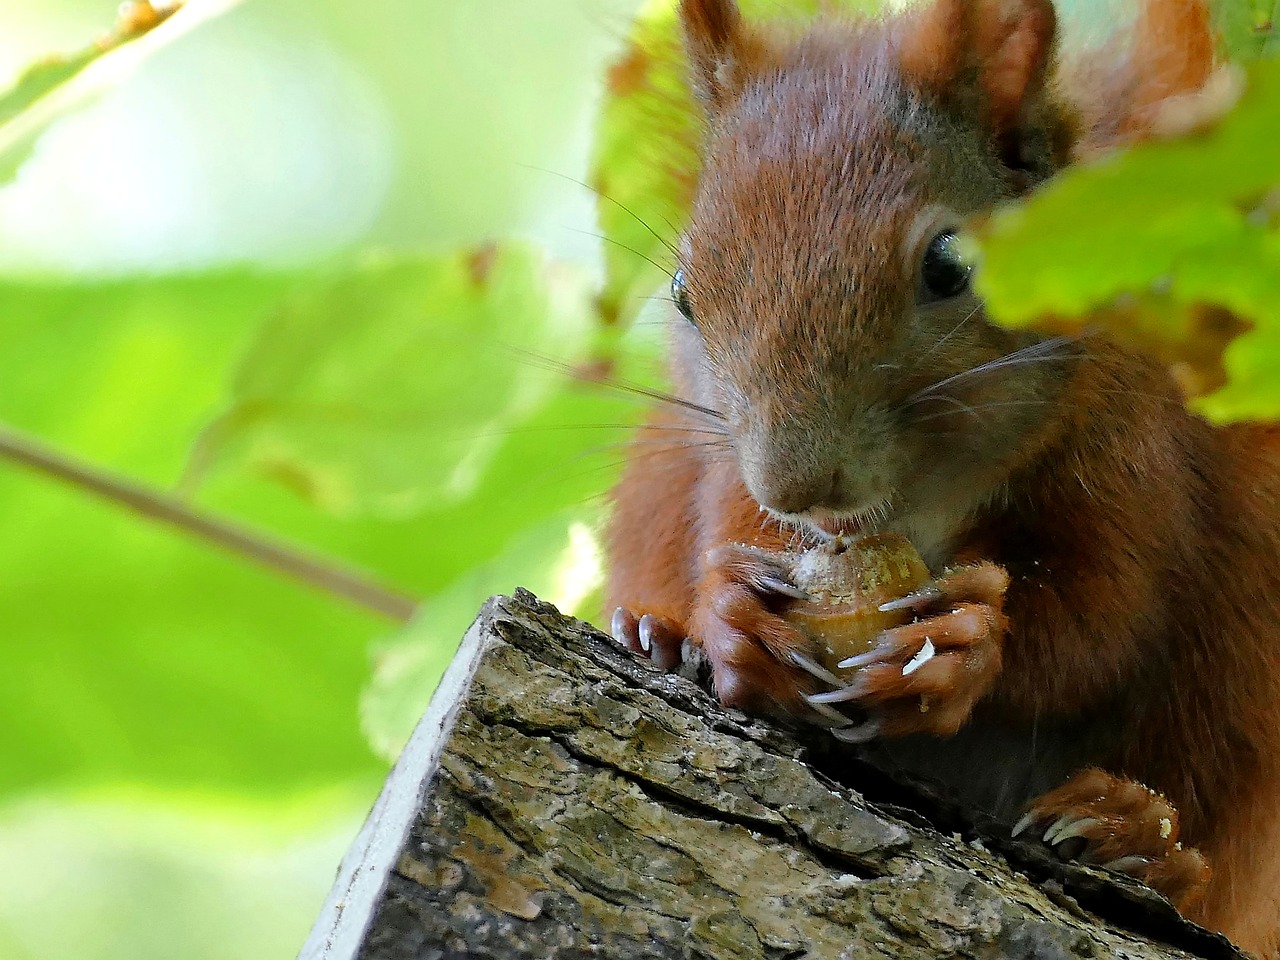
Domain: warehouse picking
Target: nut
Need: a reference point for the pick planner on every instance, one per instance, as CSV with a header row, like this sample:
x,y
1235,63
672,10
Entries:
x,y
848,581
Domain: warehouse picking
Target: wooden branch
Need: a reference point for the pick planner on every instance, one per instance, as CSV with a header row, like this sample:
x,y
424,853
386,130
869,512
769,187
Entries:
x,y
561,799
322,573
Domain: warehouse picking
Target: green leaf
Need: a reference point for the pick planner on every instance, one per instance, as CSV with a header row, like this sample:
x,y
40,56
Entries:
x,y
1141,242
130,650
1248,27
648,143
57,85
41,78
560,560
389,389
170,660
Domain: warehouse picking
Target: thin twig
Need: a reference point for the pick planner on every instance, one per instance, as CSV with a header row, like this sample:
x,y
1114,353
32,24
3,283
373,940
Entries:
x,y
315,571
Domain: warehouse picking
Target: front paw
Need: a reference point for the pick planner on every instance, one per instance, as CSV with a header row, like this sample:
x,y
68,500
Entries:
x,y
759,661
926,676
1123,826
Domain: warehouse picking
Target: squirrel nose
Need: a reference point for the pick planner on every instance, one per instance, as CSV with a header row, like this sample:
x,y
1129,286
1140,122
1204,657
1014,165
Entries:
x,y
796,493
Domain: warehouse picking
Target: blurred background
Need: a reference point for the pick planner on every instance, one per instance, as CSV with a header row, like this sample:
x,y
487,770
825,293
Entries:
x,y
190,741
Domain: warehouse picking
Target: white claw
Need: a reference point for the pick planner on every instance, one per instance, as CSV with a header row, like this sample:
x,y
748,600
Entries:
x,y
926,594
1077,829
1064,821
920,659
777,585
1027,820
859,734
1126,864
831,713
617,626
861,660
842,694
809,665
645,631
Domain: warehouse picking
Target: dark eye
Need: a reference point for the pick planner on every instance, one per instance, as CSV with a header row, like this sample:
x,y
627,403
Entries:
x,y
681,296
945,271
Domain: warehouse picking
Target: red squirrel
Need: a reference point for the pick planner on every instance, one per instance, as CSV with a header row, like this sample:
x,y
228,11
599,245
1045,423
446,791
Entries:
x,y
1105,617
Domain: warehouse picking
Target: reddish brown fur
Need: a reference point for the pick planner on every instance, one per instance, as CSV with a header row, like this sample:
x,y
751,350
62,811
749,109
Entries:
x,y
952,42
1143,609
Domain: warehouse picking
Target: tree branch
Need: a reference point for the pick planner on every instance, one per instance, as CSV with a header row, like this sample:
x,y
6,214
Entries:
x,y
322,573
561,799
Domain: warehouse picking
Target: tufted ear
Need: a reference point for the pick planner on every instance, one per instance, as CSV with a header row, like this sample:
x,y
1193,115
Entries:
x,y
714,41
990,60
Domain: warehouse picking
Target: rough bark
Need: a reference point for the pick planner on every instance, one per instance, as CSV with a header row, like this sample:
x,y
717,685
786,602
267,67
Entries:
x,y
562,799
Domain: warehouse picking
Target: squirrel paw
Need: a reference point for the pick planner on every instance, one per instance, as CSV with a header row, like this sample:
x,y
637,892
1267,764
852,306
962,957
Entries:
x,y
1099,818
925,677
758,660
649,635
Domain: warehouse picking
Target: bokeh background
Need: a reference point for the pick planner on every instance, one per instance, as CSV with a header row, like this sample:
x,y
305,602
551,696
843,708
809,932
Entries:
x,y
188,742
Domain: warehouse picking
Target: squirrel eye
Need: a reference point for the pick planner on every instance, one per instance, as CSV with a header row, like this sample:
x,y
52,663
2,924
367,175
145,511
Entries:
x,y
945,271
681,296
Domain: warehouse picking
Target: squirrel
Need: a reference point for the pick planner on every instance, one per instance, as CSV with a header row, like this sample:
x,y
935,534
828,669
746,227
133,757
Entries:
x,y
1106,604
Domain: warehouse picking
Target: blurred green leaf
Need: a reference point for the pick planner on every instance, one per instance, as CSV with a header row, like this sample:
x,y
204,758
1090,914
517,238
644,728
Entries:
x,y
174,662
645,161
389,389
131,651
648,143
150,875
1155,235
1248,27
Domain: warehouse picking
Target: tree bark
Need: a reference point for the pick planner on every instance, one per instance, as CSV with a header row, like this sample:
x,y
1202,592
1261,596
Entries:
x,y
562,799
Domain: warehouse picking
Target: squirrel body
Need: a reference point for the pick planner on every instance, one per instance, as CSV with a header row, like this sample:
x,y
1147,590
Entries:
x,y
1107,602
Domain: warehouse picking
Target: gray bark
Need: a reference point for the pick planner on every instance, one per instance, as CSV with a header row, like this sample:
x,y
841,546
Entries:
x,y
562,799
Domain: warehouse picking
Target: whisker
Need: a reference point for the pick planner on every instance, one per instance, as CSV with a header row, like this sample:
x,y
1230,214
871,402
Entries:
x,y
974,410
946,398
518,431
1040,352
618,384
595,464
949,334
617,203
618,243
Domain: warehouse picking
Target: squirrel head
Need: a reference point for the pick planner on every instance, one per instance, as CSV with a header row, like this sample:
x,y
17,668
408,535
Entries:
x,y
829,312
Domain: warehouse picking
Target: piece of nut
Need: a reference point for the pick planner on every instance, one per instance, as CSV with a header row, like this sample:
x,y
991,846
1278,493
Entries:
x,y
849,581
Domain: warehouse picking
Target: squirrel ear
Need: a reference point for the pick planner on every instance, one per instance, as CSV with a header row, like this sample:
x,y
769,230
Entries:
x,y
989,59
713,40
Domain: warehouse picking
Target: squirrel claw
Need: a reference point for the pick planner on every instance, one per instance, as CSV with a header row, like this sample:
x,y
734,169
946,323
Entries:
x,y
1065,828
838,720
812,667
626,630
1123,826
983,583
782,587
656,638
859,733
926,596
